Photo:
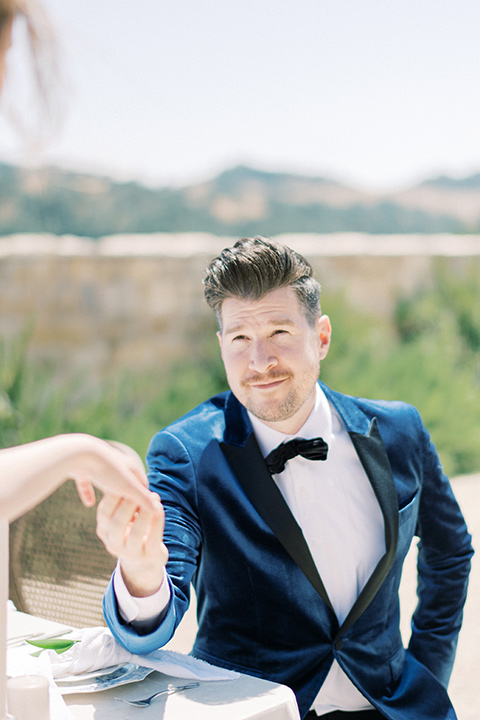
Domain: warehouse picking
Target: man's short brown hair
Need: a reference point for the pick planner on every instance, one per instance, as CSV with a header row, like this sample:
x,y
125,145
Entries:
x,y
256,266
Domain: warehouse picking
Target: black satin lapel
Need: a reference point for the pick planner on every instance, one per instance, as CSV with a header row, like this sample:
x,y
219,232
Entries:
x,y
249,467
373,456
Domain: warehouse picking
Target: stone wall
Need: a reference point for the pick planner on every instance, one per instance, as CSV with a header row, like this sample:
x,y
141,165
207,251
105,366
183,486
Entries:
x,y
136,301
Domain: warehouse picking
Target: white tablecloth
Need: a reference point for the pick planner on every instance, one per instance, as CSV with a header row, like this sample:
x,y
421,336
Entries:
x,y
243,698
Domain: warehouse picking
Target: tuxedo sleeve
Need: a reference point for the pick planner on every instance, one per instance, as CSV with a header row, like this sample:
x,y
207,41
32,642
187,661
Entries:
x,y
444,559
171,474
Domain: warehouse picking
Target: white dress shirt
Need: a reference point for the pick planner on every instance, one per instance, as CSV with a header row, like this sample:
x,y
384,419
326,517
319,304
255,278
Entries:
x,y
334,504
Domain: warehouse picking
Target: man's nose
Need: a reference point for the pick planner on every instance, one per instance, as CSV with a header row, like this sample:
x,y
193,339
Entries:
x,y
261,359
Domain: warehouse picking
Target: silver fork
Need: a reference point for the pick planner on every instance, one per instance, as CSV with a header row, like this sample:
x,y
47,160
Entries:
x,y
169,691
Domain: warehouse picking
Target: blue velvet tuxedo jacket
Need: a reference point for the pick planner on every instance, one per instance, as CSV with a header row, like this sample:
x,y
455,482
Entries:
x,y
262,606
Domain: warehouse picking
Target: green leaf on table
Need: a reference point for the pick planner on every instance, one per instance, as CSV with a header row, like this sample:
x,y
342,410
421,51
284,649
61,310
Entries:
x,y
57,644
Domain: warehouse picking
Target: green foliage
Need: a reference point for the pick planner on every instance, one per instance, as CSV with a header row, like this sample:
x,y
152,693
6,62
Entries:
x,y
428,356
12,373
129,407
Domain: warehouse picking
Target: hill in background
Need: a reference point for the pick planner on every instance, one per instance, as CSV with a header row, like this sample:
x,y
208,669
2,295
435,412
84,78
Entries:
x,y
238,202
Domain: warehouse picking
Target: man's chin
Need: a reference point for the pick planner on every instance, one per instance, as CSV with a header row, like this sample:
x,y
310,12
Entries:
x,y
271,414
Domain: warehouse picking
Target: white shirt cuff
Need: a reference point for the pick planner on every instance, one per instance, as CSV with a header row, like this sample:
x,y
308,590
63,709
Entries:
x,y
140,608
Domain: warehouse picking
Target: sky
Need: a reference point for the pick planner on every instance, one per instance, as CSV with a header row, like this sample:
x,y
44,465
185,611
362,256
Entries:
x,y
378,94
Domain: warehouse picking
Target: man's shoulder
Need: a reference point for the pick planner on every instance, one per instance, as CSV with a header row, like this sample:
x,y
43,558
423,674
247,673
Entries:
x,y
381,409
206,416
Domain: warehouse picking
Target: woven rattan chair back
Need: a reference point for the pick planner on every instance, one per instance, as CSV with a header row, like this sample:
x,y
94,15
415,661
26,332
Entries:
x,y
58,567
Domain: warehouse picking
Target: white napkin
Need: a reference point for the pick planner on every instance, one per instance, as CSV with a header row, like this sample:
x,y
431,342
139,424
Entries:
x,y
98,649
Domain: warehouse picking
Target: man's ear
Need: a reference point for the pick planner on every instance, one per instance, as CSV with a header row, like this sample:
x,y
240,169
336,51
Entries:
x,y
324,334
219,336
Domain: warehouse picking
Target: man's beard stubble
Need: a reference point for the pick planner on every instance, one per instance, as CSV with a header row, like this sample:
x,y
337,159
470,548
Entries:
x,y
278,411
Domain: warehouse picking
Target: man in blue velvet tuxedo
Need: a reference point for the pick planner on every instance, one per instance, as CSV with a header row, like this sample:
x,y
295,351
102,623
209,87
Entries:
x,y
295,553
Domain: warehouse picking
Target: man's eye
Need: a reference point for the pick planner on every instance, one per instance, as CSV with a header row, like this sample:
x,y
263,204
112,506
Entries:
x,y
280,332
239,337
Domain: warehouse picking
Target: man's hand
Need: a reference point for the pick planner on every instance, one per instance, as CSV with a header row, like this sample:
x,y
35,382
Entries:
x,y
135,536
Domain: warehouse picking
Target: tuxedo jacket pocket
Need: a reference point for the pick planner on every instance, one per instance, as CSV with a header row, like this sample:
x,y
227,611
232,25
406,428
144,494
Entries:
x,y
405,512
407,523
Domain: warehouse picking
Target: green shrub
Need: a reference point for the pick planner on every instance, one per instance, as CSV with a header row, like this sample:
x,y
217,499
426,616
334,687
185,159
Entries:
x,y
429,356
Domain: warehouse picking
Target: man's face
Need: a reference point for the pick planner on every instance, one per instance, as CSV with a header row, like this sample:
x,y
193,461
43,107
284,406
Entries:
x,y
272,356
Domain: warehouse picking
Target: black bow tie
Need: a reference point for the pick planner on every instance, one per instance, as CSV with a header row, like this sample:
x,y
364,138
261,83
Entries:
x,y
315,449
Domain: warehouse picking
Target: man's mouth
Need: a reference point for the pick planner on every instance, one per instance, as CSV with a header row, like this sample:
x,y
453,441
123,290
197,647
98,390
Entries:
x,y
268,383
